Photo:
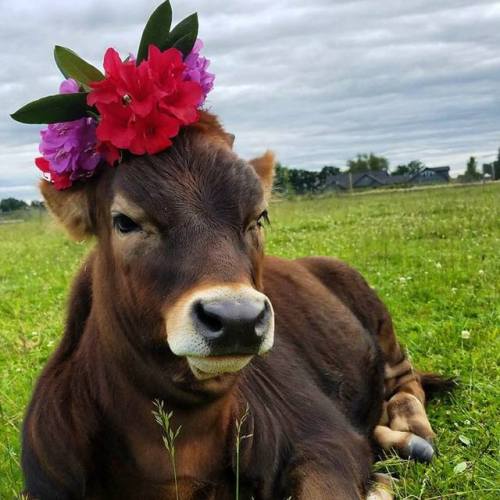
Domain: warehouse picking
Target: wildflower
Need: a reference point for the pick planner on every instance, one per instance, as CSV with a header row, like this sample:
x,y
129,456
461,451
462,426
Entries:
x,y
465,334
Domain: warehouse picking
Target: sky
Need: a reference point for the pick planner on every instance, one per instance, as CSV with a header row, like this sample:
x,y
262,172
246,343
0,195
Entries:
x,y
317,81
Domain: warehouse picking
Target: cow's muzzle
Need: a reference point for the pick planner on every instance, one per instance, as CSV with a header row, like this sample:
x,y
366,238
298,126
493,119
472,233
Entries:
x,y
218,329
232,326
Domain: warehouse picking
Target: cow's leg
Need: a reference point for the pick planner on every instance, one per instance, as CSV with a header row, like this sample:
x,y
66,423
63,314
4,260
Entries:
x,y
310,481
407,444
330,468
404,425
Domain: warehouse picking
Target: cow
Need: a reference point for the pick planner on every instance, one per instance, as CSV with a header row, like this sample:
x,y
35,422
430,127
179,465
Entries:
x,y
177,303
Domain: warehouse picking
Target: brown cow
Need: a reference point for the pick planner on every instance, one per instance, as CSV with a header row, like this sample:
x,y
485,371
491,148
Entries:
x,y
175,303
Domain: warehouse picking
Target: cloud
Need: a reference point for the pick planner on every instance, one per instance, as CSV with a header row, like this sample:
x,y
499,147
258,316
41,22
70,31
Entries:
x,y
316,81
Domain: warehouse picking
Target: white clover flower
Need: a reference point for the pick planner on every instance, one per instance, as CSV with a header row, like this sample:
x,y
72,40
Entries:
x,y
465,334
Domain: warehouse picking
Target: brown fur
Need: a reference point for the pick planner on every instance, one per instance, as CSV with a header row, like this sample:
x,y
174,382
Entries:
x,y
264,167
314,401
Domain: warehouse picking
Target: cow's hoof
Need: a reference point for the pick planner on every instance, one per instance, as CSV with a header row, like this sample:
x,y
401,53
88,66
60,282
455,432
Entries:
x,y
419,449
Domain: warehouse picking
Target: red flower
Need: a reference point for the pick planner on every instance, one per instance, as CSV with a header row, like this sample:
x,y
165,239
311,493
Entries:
x,y
153,133
60,181
110,153
143,107
168,69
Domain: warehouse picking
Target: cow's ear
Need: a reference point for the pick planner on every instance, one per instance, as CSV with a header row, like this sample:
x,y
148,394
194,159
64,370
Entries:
x,y
264,166
230,139
71,208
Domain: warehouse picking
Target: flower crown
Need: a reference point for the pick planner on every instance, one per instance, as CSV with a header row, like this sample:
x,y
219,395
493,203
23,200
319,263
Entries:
x,y
137,105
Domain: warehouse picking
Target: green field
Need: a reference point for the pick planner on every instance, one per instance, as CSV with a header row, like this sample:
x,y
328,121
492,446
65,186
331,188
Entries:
x,y
434,257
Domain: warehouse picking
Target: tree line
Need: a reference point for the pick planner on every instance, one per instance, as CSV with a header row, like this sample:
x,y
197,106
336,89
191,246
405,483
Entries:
x,y
13,204
299,181
291,181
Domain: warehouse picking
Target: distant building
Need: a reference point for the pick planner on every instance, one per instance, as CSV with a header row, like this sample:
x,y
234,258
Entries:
x,y
491,171
375,179
371,179
431,175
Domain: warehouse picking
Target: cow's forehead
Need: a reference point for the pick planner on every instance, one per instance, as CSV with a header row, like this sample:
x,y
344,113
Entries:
x,y
193,176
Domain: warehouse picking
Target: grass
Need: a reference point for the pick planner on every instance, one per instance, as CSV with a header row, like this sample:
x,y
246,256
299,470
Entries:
x,y
164,419
433,255
240,422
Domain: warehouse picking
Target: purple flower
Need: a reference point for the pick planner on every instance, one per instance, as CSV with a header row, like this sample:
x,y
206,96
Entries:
x,y
70,147
196,70
69,86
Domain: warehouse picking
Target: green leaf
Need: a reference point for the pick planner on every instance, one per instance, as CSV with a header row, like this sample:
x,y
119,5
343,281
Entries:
x,y
156,30
460,467
183,36
53,109
73,66
464,440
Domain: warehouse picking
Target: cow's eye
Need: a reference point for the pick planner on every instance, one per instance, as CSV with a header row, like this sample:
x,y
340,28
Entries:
x,y
263,218
124,224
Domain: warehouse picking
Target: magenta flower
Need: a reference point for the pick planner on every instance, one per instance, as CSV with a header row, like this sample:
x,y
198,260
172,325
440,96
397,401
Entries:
x,y
69,86
196,70
70,147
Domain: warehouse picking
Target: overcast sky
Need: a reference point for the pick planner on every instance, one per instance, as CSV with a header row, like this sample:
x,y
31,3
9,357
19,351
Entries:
x,y
317,81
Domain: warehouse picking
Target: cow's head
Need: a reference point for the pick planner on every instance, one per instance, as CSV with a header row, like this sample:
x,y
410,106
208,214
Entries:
x,y
179,253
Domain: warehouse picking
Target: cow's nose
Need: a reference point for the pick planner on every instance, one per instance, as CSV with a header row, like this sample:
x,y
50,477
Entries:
x,y
232,327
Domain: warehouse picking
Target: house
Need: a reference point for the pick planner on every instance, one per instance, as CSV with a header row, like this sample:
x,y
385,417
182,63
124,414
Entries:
x,y
375,179
431,175
371,179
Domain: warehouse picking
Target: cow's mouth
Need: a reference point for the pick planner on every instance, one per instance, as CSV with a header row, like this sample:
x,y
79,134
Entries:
x,y
207,367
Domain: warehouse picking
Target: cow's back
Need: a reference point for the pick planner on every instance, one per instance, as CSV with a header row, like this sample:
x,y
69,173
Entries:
x,y
320,336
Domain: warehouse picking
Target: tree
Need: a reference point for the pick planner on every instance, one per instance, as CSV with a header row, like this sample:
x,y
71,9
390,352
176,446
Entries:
x,y
365,163
471,173
11,204
401,170
327,172
299,181
304,181
493,168
414,167
282,182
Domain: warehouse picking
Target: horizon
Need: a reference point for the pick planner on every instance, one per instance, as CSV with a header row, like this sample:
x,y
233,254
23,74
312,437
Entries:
x,y
30,193
316,83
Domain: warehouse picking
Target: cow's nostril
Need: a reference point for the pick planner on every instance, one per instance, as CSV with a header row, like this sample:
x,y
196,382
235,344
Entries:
x,y
208,319
263,317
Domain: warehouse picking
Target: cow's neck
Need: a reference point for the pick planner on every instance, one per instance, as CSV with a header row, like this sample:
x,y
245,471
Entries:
x,y
125,384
